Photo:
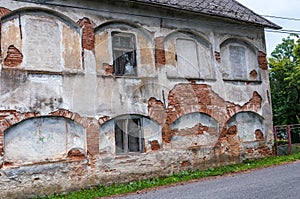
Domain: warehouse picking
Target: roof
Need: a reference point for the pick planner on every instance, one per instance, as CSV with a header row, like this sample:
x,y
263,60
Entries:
x,y
221,8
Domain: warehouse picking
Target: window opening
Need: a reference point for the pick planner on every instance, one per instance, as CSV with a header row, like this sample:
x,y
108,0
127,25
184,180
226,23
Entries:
x,y
124,54
128,135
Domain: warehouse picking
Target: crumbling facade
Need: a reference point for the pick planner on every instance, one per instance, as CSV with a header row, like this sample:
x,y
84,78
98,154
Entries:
x,y
114,91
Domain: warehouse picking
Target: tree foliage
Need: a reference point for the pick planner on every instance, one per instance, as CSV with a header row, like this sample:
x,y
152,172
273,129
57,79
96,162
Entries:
x,y
285,81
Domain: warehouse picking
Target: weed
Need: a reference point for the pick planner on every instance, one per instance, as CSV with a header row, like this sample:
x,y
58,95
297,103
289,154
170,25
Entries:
x,y
101,191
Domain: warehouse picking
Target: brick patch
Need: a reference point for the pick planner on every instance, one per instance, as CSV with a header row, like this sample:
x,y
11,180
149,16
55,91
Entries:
x,y
14,57
218,56
160,55
88,37
262,60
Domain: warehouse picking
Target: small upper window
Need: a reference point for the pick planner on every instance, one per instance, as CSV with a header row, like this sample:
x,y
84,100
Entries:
x,y
238,61
124,54
128,135
187,57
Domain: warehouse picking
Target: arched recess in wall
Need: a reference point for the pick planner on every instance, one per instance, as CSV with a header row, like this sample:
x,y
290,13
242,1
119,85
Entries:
x,y
130,133
124,49
188,55
249,125
239,60
43,139
194,130
40,39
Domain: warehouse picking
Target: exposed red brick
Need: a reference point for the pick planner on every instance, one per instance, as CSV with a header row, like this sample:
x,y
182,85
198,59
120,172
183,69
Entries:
x,y
67,114
218,56
8,164
259,135
228,143
29,115
160,55
166,134
198,129
109,69
265,151
14,57
155,146
253,74
250,150
254,103
5,113
157,111
14,118
189,98
4,125
88,36
92,135
76,154
185,163
78,172
262,60
103,119
4,11
232,130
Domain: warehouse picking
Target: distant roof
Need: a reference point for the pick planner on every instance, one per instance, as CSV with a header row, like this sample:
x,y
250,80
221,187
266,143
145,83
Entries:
x,y
221,8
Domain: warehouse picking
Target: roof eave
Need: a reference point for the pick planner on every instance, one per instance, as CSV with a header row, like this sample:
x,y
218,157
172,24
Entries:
x,y
270,24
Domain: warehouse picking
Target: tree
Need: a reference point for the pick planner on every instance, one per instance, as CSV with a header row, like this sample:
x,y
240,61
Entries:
x,y
285,81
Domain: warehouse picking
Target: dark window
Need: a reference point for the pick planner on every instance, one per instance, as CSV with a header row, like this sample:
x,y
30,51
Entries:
x,y
238,61
128,135
124,54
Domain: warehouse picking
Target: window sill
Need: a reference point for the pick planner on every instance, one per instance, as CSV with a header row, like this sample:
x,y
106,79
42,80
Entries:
x,y
118,77
44,72
129,154
242,81
193,79
41,163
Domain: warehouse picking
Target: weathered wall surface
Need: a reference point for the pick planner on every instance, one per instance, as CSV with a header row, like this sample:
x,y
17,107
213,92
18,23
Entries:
x,y
199,95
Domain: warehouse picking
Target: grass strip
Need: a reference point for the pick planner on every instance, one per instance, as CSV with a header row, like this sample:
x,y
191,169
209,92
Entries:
x,y
102,191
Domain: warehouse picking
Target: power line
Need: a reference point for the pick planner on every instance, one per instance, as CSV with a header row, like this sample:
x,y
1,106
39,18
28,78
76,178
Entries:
x,y
284,31
168,18
102,10
278,17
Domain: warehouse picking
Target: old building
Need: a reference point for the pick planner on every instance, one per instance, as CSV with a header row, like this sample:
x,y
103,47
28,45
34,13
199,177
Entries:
x,y
95,92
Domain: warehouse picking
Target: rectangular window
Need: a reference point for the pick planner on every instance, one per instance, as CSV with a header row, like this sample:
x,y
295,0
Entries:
x,y
187,57
238,61
124,54
128,135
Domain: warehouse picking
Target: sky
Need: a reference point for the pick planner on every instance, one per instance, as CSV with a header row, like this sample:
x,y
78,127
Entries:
x,y
280,8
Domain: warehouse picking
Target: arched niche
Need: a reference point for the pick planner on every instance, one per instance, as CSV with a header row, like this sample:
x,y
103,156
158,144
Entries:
x,y
249,125
42,139
194,130
239,60
188,55
45,39
117,38
129,134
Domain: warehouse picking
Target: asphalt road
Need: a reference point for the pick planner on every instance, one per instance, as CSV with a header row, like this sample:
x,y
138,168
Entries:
x,y
282,182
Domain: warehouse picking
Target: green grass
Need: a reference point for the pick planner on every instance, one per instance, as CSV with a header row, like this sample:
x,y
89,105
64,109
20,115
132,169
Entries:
x,y
101,191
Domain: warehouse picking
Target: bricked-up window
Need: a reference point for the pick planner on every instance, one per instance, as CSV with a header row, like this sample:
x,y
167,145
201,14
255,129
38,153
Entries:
x,y
238,61
129,135
124,54
187,57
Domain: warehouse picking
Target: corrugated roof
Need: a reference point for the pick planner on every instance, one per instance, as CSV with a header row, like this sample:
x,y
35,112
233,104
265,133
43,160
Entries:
x,y
222,8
